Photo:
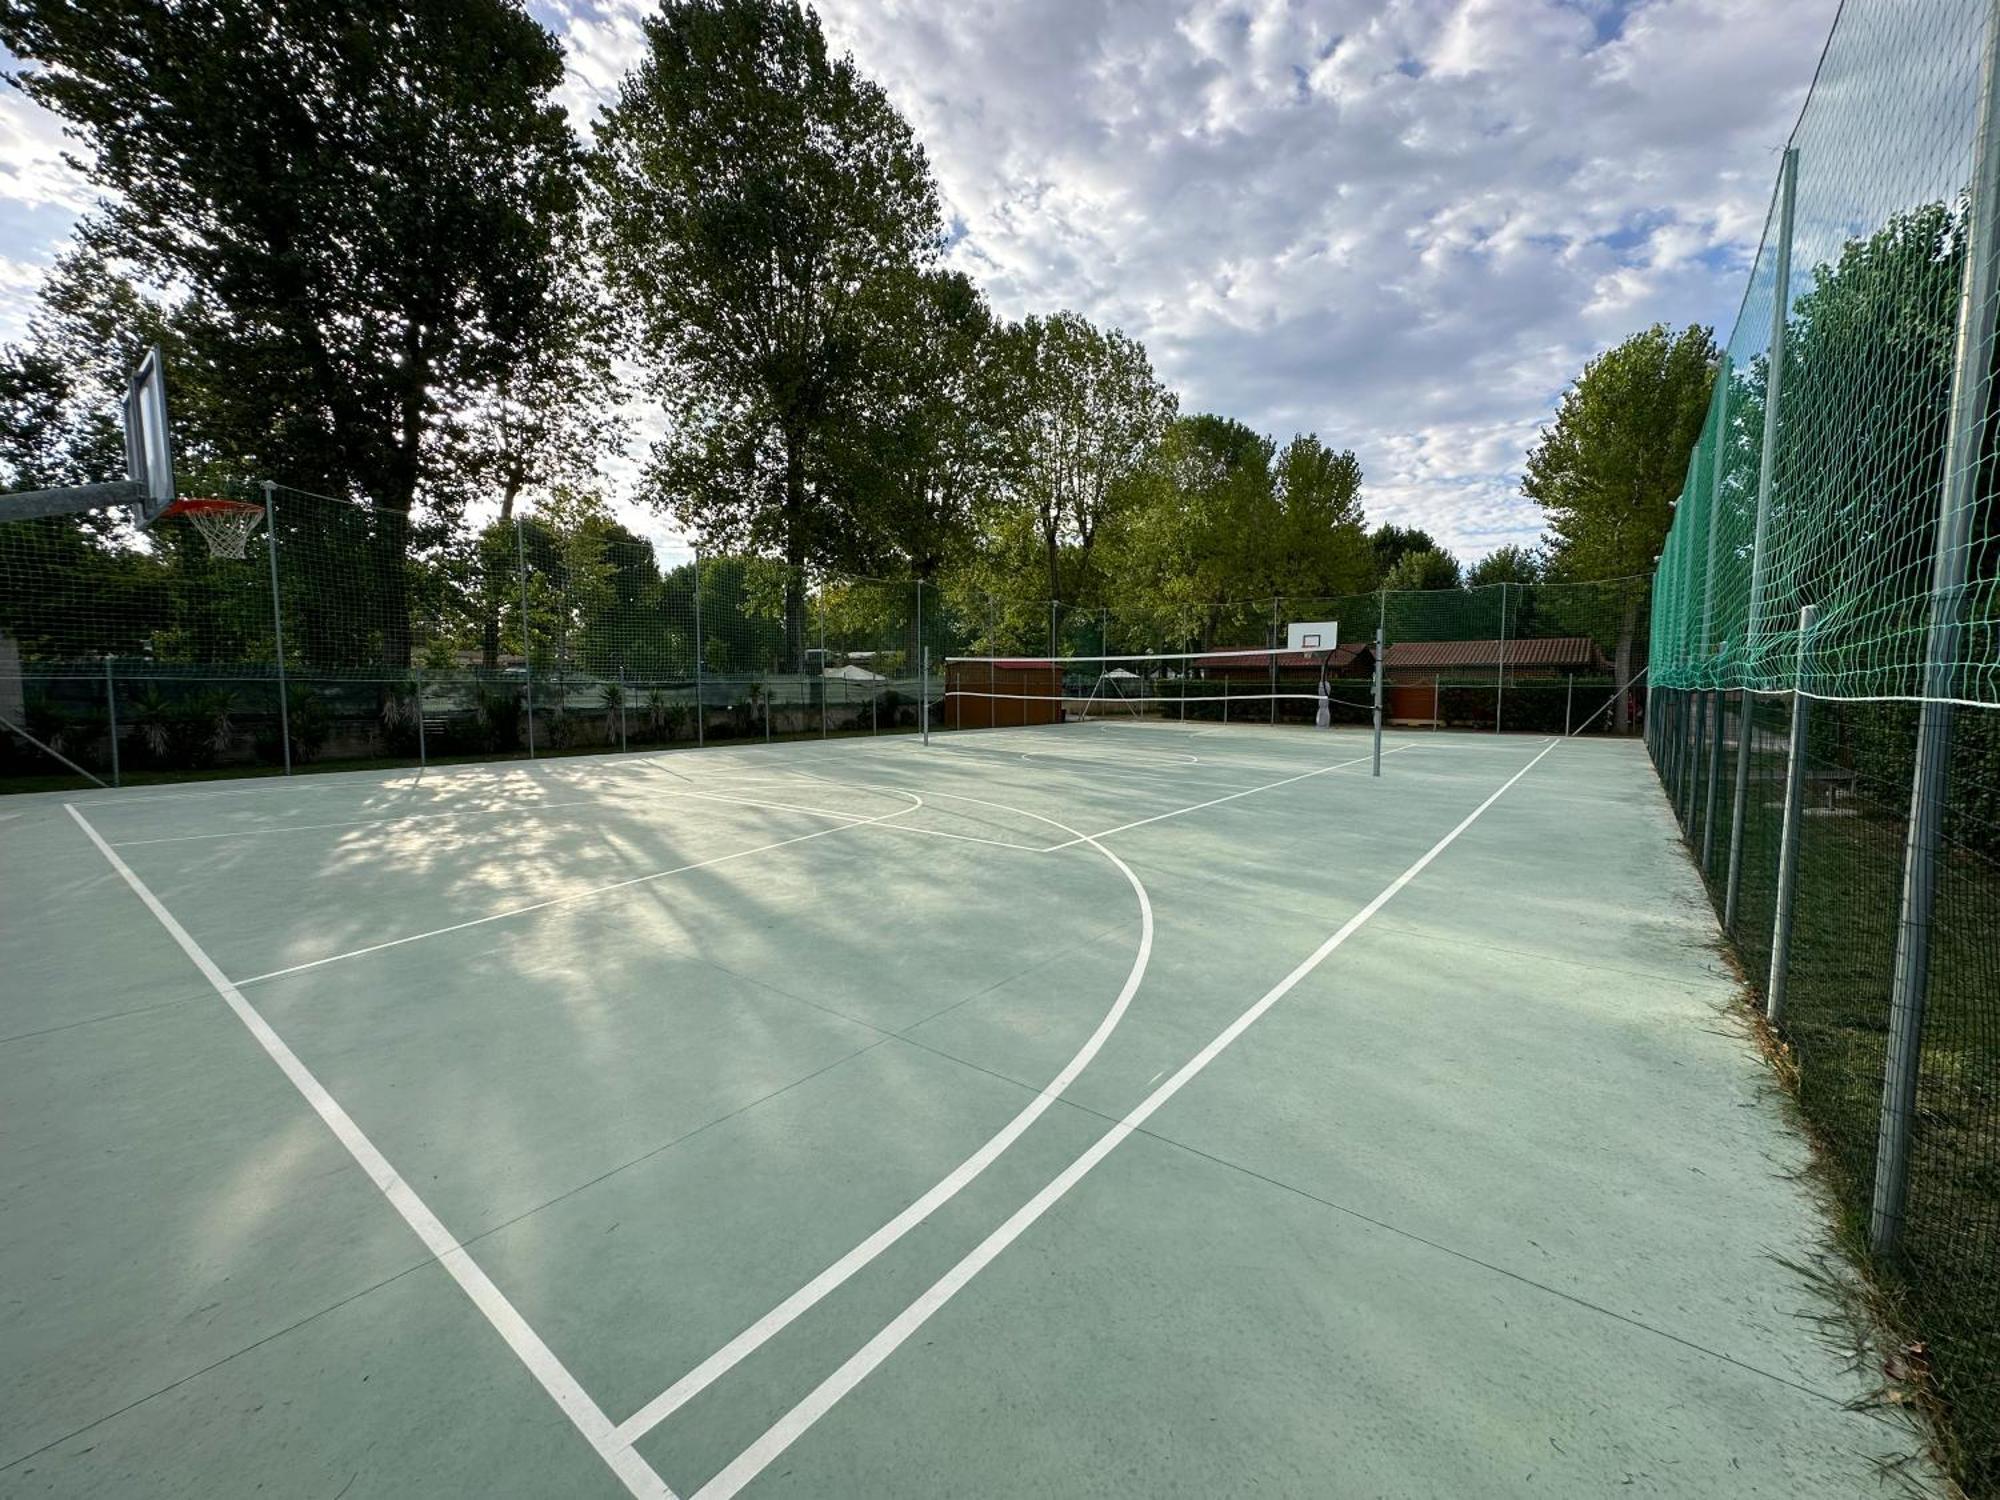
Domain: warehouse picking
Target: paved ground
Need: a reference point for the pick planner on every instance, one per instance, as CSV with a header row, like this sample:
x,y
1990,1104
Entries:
x,y
1088,1111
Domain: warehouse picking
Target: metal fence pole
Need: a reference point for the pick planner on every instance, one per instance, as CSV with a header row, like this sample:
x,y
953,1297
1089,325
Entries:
x,y
1500,674
700,703
422,750
1774,365
278,623
1376,768
1788,837
1274,659
111,715
621,708
1569,698
1960,493
1437,701
822,662
1714,777
527,629
924,697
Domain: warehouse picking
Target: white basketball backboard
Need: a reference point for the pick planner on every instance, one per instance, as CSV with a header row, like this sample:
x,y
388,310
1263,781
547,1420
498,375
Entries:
x,y
1312,635
149,447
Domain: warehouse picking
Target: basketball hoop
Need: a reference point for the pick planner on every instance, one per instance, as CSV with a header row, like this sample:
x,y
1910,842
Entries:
x,y
224,524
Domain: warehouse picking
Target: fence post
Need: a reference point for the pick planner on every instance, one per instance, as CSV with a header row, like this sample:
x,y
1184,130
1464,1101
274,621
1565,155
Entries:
x,y
278,623
1714,778
423,754
1788,838
822,661
1500,675
1971,383
1569,697
1437,700
621,708
924,697
700,703
1376,767
1788,179
527,629
111,715
1274,658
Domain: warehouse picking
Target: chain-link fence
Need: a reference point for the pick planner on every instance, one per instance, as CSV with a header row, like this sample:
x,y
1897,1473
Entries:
x,y
1826,669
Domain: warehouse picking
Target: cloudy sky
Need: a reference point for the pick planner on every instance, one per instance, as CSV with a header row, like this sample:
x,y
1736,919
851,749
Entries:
x,y
1402,224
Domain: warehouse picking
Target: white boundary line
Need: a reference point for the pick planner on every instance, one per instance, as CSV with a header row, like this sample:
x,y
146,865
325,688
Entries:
x,y
637,1475
946,1188
1217,801
246,833
787,1430
596,890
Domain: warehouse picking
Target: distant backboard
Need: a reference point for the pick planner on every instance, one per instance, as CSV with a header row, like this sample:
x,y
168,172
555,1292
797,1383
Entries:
x,y
1312,635
149,445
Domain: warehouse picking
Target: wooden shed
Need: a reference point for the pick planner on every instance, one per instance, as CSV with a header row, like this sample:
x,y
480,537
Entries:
x,y
1001,694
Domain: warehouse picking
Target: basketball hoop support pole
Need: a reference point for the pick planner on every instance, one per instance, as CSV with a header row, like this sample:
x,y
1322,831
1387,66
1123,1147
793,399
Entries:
x,y
278,622
111,715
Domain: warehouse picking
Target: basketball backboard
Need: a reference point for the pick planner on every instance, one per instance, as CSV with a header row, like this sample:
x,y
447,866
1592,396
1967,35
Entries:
x,y
1312,635
149,446
149,460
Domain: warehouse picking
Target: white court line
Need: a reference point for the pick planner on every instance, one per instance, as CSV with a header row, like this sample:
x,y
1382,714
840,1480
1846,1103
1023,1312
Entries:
x,y
787,1430
637,1475
1218,801
778,1318
583,895
245,833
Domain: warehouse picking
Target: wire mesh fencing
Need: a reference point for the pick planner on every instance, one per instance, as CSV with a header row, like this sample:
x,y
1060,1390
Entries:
x,y
1826,669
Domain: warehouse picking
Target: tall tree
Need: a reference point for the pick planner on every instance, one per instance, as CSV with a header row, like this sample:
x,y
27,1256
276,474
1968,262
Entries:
x,y
1089,414
1509,564
1391,542
1607,470
1432,568
358,197
756,191
1323,550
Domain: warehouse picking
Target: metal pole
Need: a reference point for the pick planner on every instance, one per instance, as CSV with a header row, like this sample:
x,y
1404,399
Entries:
x,y
822,663
111,715
1053,651
1437,701
1376,769
1958,495
621,708
1714,777
527,630
700,704
278,623
423,755
1788,179
1569,697
1274,659
1715,506
1500,674
1788,839
924,697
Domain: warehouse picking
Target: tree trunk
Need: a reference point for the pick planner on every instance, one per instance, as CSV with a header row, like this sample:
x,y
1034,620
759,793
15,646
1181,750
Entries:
x,y
1621,671
489,643
795,555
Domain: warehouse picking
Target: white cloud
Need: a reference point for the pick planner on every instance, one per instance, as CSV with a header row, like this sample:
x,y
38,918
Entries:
x,y
1401,223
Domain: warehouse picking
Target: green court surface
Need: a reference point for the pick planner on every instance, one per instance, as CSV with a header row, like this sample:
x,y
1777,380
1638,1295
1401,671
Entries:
x,y
1096,1110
